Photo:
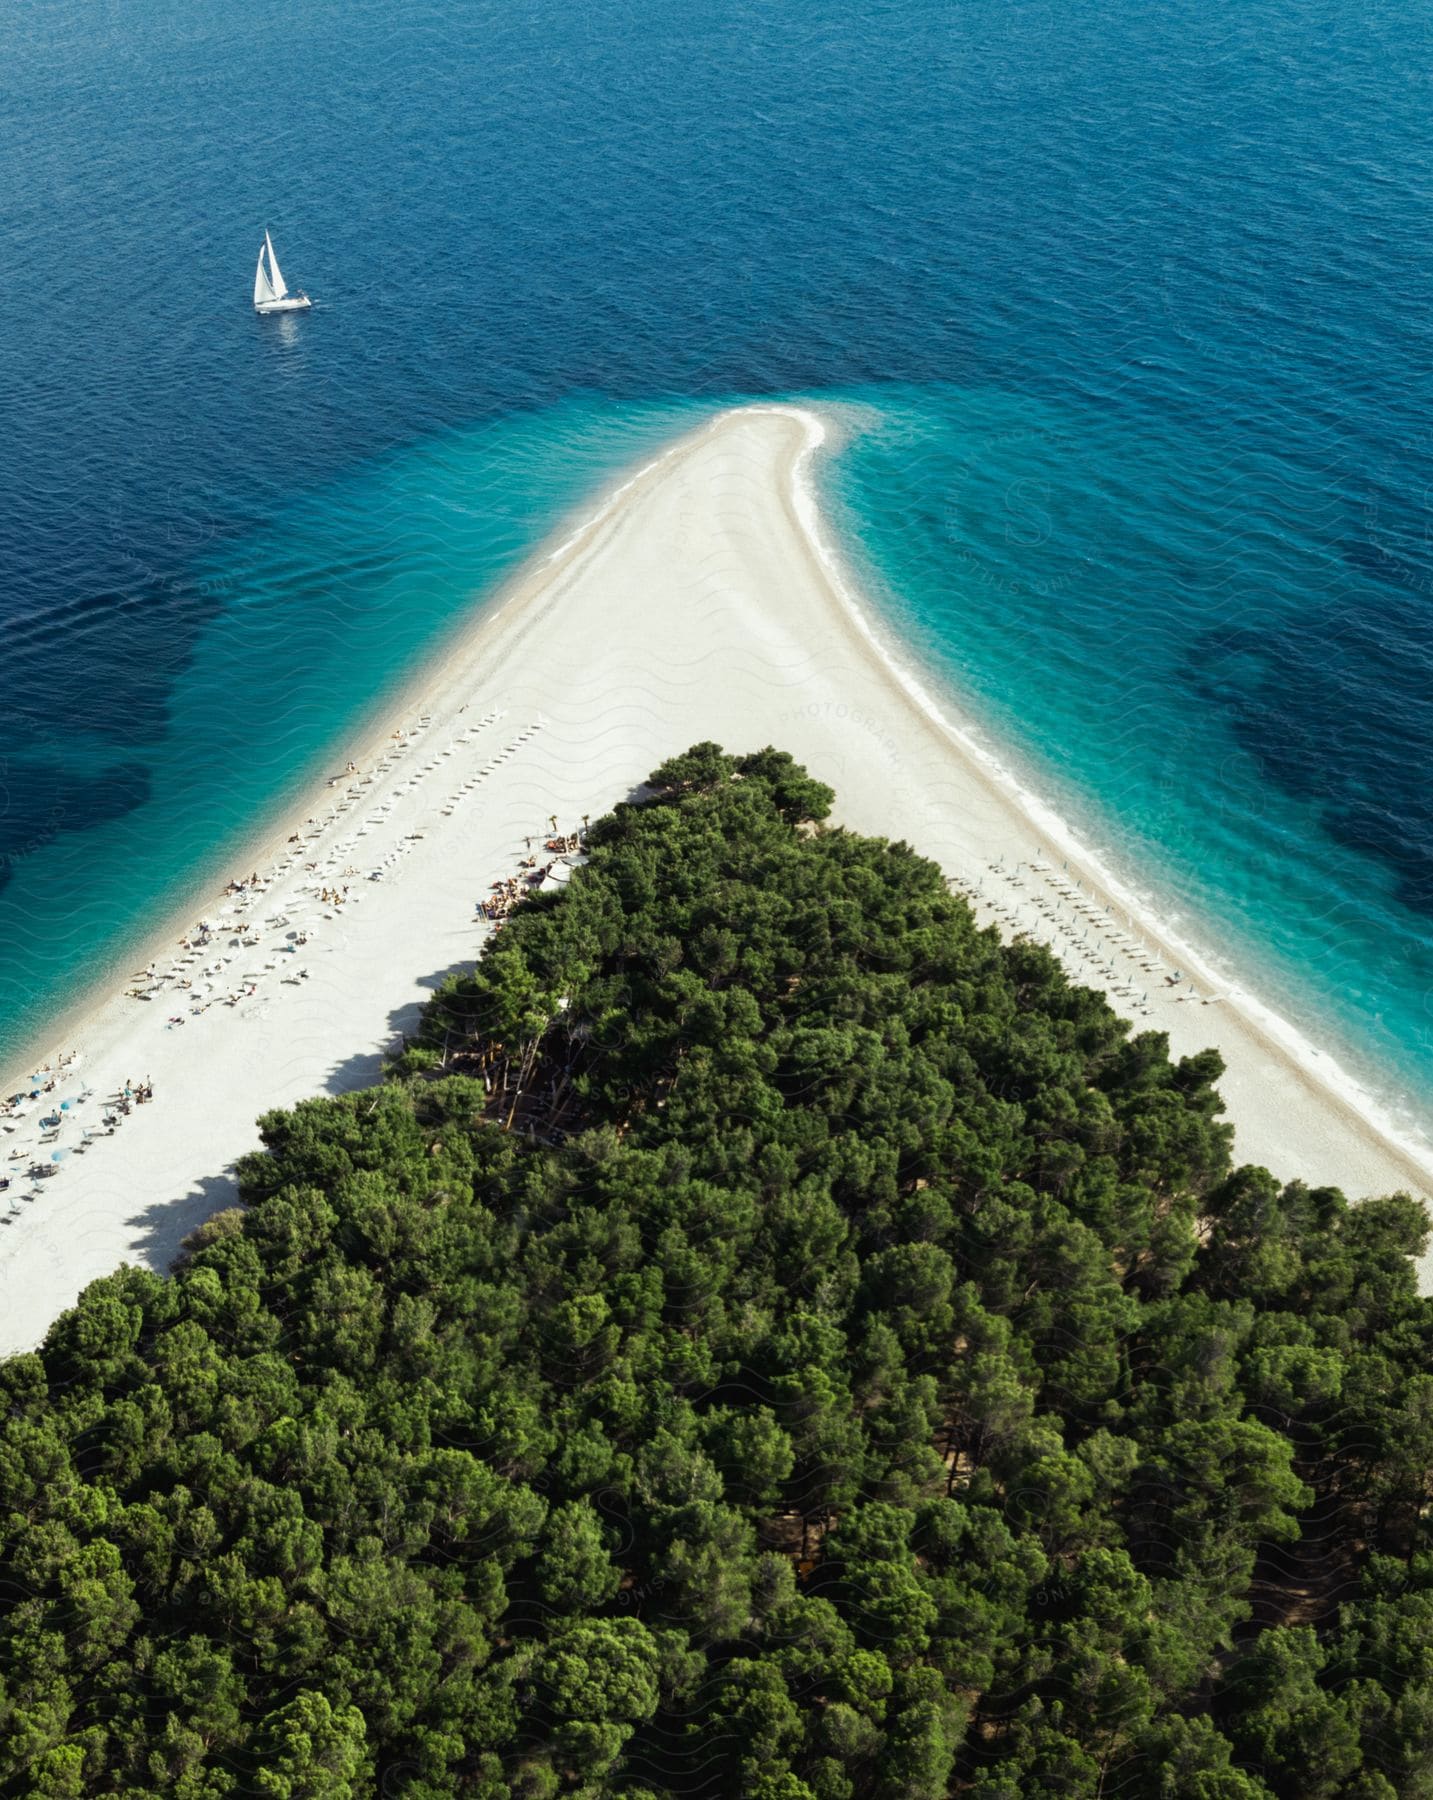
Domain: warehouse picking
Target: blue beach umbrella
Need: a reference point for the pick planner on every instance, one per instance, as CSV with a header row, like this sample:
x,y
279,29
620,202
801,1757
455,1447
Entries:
x,y
58,1155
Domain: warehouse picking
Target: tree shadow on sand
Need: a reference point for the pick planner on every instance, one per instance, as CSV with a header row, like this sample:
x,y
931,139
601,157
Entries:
x,y
164,1225
366,1069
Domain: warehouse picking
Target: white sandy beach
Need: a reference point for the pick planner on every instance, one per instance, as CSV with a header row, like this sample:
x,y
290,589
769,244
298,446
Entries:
x,y
698,602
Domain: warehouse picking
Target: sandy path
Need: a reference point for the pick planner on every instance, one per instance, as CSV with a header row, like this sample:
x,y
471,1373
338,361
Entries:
x,y
696,603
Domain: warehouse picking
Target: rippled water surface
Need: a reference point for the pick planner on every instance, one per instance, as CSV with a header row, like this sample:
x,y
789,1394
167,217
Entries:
x,y
1134,302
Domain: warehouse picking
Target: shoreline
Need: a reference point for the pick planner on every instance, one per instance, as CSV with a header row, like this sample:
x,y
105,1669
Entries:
x,y
260,844
1322,1071
699,597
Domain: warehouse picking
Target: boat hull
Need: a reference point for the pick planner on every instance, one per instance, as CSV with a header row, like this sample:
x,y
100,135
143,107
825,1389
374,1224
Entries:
x,y
290,303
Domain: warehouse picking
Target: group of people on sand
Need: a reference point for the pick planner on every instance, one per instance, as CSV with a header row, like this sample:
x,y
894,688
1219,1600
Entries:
x,y
186,982
44,1162
44,1081
34,1093
1110,941
504,897
507,893
205,935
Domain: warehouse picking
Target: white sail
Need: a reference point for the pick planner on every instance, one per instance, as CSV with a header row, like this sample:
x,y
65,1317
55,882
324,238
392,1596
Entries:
x,y
263,287
274,276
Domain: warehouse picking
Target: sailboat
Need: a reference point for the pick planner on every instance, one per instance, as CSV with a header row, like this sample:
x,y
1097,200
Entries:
x,y
271,294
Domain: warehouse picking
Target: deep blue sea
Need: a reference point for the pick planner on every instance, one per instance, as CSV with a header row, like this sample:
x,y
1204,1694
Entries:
x,y
1134,303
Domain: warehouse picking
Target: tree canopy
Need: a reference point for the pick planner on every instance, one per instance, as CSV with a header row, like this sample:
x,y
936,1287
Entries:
x,y
766,1337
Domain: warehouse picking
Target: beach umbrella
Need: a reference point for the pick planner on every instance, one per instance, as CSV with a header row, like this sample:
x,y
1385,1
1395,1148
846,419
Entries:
x,y
58,1155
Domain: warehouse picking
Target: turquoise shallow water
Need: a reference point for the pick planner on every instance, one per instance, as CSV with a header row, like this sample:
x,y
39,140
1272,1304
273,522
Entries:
x,y
1132,304
1115,675
311,623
